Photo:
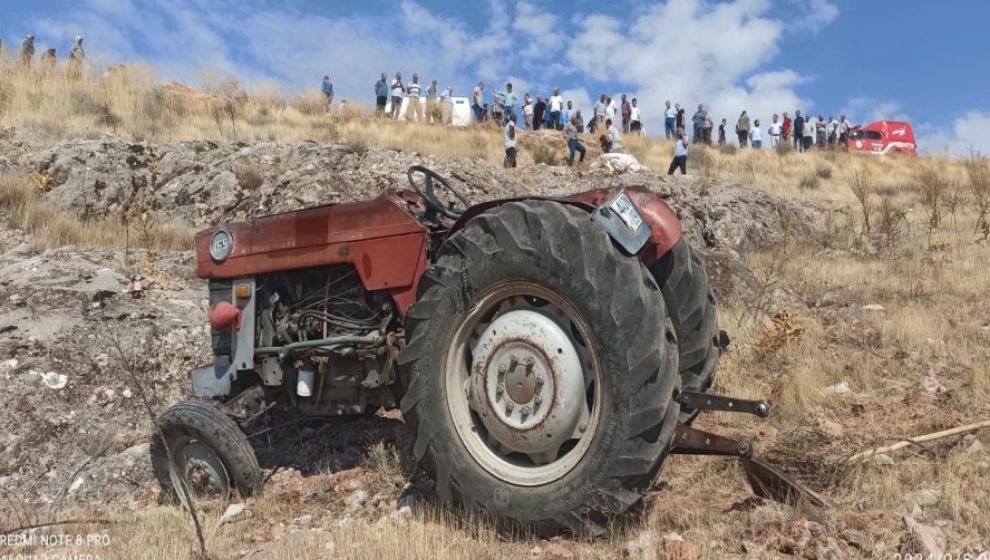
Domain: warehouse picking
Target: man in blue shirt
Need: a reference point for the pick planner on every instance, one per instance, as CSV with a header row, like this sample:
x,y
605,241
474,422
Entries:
x,y
381,94
327,90
509,101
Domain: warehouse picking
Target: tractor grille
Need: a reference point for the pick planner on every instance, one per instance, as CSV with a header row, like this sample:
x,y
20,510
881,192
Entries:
x,y
221,290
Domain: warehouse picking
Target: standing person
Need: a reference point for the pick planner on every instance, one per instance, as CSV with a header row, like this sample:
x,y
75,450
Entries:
x,y
833,131
538,110
774,132
498,108
798,131
708,128
742,129
599,116
721,132
478,101
527,112
327,89
27,51
381,95
397,90
447,106
609,110
756,135
509,101
699,118
614,137
433,103
556,106
547,116
821,132
669,120
635,119
77,57
579,121
679,115
680,153
568,112
573,143
510,141
809,133
48,62
626,109
414,112
785,129
843,131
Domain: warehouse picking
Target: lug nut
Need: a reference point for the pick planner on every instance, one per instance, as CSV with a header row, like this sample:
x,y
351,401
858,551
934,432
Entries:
x,y
538,400
499,390
513,361
529,363
501,370
539,380
524,411
582,427
508,407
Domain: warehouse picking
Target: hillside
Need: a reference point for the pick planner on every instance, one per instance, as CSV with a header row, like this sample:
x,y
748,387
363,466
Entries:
x,y
854,290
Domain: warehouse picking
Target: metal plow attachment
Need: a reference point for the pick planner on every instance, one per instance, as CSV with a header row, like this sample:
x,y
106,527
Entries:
x,y
766,481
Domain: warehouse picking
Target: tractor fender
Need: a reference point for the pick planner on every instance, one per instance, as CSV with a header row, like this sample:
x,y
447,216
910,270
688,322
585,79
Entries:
x,y
665,227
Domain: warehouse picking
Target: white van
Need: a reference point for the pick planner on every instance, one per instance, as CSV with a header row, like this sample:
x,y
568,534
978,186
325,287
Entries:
x,y
461,116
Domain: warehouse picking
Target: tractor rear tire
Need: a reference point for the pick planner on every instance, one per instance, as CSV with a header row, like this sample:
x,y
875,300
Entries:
x,y
692,307
201,433
558,252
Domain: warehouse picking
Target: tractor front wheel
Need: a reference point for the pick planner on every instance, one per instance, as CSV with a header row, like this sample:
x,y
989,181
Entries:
x,y
196,443
540,370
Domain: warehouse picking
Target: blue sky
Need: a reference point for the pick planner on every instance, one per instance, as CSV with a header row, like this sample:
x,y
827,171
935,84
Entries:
x,y
911,59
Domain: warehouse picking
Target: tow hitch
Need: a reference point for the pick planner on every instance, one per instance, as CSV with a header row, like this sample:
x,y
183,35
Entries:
x,y
766,481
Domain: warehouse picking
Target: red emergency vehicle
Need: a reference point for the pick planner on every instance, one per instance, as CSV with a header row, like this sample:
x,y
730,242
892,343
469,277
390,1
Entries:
x,y
883,137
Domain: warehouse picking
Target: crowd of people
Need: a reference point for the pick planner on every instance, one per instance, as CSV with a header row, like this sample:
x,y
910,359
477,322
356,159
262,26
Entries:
x,y
610,119
48,60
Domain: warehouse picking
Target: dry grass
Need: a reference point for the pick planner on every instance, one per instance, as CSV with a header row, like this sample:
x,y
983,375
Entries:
x,y
51,227
907,234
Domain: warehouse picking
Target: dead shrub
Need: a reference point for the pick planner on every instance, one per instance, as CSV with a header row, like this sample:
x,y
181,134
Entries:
x,y
544,153
931,181
249,177
310,103
728,149
978,172
785,329
784,148
891,225
861,185
823,171
810,182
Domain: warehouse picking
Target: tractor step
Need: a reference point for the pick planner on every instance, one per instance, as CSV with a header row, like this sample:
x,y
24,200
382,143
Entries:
x,y
766,481
694,400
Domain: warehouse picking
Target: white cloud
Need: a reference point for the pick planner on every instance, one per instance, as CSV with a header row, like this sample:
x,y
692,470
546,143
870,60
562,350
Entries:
x,y
817,13
865,109
692,52
689,51
969,133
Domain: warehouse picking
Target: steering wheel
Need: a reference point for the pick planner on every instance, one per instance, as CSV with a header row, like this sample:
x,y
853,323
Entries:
x,y
429,194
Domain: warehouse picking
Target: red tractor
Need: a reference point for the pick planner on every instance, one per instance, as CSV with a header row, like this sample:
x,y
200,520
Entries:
x,y
547,354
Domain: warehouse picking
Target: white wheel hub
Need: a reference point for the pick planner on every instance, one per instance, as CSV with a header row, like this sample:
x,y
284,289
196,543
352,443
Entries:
x,y
528,385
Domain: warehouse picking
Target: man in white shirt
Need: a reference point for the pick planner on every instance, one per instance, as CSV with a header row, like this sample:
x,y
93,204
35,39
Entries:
x,y
669,120
599,116
510,141
756,135
556,106
397,90
680,154
833,130
774,131
478,102
414,112
613,138
635,118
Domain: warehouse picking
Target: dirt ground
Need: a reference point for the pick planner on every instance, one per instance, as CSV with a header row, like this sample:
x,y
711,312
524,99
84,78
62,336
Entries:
x,y
860,337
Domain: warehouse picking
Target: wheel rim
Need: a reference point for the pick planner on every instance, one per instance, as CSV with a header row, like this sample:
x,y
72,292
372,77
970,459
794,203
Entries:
x,y
203,470
522,383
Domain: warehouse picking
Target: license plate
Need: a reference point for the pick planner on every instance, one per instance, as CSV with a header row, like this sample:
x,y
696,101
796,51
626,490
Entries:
x,y
627,211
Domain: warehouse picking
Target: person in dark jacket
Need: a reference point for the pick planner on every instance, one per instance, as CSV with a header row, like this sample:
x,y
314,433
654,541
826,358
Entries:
x,y
679,119
538,109
798,131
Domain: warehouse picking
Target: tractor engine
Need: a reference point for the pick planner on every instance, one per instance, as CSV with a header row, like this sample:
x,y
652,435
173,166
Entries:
x,y
320,336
